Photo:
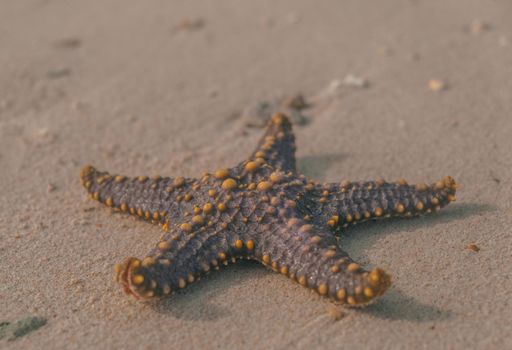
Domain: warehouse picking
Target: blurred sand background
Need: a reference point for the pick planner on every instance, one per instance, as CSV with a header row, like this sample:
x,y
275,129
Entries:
x,y
158,87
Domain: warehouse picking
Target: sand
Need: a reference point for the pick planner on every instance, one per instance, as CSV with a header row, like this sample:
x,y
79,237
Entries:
x,y
157,87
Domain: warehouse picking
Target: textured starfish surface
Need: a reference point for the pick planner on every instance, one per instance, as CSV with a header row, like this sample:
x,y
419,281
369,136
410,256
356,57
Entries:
x,y
261,209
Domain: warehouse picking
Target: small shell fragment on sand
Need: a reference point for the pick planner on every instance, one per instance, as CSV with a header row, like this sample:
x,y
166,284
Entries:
x,y
50,187
191,24
352,80
473,247
335,85
478,26
436,85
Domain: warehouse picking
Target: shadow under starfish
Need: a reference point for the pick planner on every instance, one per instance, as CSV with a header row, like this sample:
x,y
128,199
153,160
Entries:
x,y
261,209
399,306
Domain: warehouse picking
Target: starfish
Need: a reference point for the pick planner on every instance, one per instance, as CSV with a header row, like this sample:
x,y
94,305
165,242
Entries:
x,y
262,209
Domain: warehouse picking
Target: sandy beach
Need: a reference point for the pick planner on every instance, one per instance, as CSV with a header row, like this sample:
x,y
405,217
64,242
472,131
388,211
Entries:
x,y
397,89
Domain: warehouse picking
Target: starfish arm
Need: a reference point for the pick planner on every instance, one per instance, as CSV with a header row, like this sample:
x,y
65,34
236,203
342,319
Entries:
x,y
349,203
181,257
277,146
311,256
153,199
